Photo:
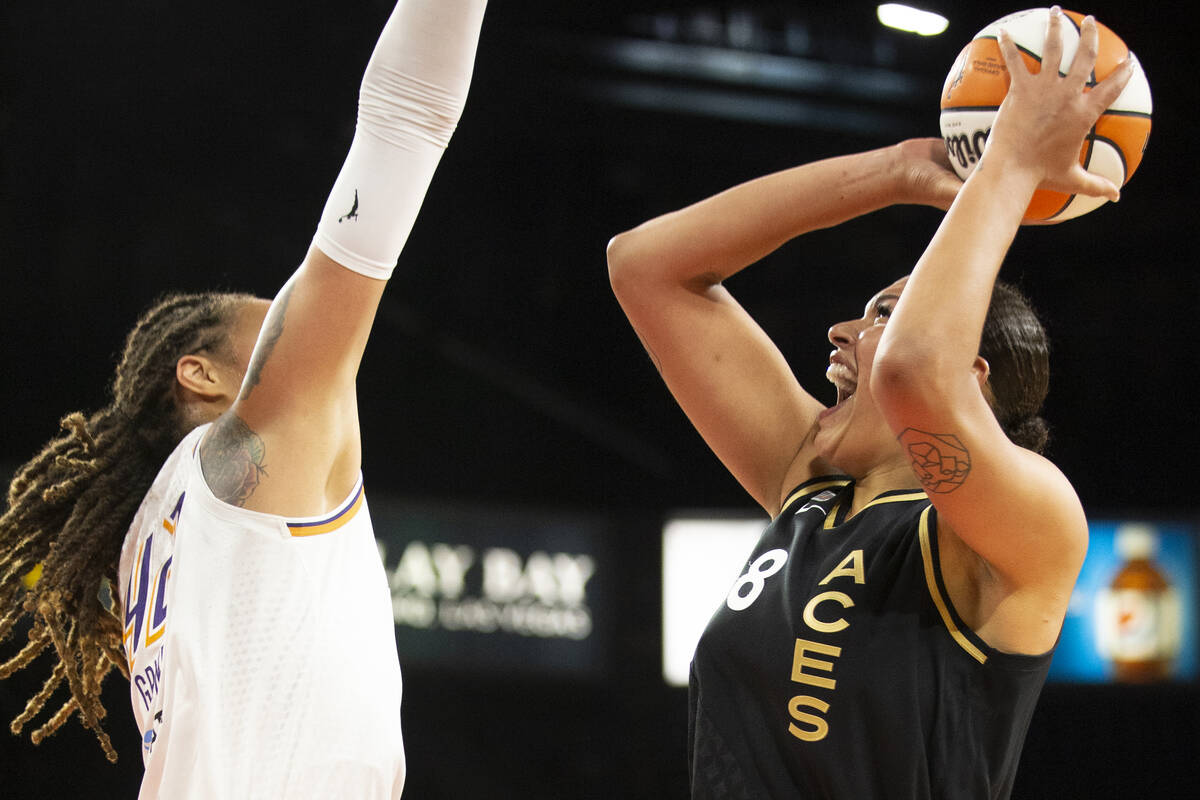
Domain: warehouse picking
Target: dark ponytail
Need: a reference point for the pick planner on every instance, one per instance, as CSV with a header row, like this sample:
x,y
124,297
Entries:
x,y
1015,345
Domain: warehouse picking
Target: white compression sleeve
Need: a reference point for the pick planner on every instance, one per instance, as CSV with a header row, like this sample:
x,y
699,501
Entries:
x,y
411,98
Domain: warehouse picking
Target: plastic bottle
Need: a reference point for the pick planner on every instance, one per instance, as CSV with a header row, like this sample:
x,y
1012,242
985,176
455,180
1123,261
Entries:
x,y
1138,616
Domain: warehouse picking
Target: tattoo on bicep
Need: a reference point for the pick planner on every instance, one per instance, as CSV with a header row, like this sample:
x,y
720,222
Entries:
x,y
272,329
940,460
232,459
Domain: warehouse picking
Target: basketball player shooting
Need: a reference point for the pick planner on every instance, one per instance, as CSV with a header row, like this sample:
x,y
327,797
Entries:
x,y
892,628
219,495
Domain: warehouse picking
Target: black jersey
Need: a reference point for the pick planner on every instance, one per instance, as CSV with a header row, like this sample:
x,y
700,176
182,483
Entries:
x,y
837,667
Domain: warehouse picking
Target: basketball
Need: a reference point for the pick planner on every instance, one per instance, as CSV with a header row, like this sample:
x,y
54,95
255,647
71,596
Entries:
x,y
978,81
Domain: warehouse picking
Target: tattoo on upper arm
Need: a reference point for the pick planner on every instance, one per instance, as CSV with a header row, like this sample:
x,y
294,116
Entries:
x,y
272,329
940,460
232,459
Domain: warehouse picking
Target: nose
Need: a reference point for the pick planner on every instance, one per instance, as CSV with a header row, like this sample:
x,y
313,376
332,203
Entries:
x,y
843,334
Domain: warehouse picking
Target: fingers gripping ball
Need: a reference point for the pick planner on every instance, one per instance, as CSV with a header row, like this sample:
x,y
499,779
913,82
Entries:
x,y
978,82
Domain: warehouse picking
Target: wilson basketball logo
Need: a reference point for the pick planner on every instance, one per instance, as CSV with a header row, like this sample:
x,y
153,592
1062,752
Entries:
x,y
965,149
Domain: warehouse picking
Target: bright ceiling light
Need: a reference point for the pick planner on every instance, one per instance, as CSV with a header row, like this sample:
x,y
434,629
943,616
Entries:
x,y
913,20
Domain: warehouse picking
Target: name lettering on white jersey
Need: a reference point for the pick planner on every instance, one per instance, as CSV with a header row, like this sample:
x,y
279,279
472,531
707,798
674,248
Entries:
x,y
145,603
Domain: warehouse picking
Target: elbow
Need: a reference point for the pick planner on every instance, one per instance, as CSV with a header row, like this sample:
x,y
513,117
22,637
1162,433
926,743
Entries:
x,y
625,269
617,256
905,377
645,266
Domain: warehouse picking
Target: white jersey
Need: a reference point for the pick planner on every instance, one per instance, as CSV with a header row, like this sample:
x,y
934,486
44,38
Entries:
x,y
262,652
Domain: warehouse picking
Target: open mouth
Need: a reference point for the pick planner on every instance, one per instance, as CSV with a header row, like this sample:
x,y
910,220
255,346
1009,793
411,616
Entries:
x,y
843,379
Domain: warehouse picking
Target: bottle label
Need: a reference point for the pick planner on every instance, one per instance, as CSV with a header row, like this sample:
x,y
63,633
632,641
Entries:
x,y
1138,625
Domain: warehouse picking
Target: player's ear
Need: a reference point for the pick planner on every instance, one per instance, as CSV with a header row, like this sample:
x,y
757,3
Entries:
x,y
201,376
982,370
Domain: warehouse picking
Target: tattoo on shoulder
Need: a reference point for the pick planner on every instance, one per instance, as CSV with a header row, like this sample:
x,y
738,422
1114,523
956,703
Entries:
x,y
272,329
232,459
940,460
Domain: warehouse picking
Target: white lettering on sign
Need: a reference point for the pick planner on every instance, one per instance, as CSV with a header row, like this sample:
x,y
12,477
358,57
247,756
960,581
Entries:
x,y
439,585
557,578
430,571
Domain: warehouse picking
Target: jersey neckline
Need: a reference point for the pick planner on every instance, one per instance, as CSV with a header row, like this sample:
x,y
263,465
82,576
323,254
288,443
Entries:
x,y
844,485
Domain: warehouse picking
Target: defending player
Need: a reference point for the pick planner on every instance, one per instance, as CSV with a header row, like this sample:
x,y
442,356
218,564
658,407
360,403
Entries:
x,y
254,617
893,627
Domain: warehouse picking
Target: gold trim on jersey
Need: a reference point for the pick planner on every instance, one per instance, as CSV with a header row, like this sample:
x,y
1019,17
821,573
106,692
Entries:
x,y
831,519
942,603
811,489
332,523
896,498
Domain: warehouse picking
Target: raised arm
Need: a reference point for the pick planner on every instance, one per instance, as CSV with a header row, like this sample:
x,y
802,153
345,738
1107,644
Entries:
x,y
290,443
729,378
1012,508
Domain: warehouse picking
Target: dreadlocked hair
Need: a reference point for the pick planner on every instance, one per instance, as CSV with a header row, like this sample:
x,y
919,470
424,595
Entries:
x,y
70,506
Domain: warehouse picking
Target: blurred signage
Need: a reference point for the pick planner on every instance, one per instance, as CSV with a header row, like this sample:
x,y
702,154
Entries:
x,y
1132,616
488,590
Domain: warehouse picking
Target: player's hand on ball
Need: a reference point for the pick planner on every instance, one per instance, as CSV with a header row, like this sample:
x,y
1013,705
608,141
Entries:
x,y
1045,116
926,177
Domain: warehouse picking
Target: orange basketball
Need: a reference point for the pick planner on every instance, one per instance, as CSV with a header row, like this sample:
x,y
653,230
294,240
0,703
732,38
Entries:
x,y
978,82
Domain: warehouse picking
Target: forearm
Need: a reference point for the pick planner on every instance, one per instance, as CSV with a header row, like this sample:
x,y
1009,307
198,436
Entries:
x,y
299,392
941,312
410,101
717,237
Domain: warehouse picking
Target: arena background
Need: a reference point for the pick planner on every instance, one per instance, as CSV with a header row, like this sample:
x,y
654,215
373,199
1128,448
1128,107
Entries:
x,y
153,146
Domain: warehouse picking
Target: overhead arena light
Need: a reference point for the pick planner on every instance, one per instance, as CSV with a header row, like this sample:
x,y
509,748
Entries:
x,y
913,20
755,70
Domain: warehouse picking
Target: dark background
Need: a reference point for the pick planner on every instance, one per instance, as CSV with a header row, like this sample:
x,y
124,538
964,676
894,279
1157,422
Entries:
x,y
153,146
